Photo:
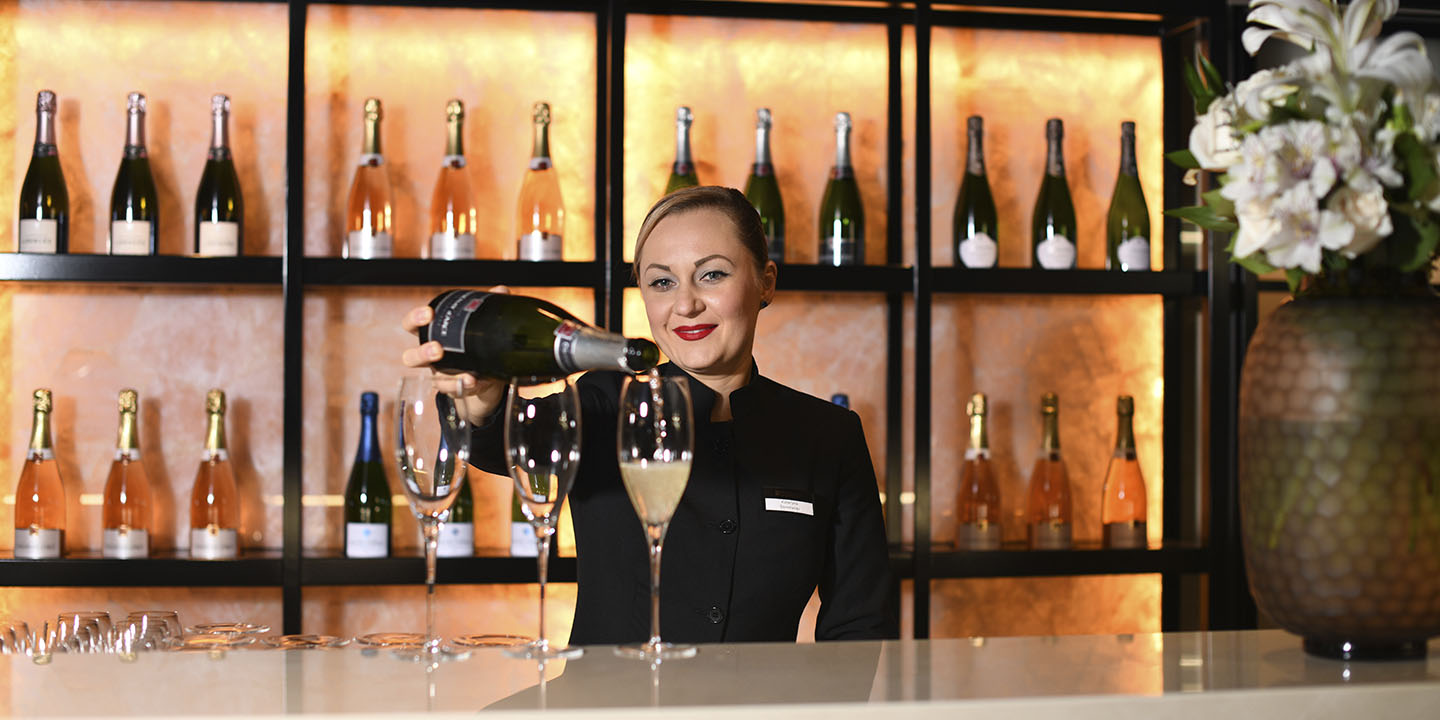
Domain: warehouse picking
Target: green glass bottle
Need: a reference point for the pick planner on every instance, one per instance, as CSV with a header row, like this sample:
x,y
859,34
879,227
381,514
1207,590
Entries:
x,y
367,494
522,533
44,201
976,231
457,525
763,191
219,208
682,173
842,215
1127,229
1052,227
134,210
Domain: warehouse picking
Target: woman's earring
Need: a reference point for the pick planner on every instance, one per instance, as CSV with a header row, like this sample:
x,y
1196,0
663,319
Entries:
x,y
764,304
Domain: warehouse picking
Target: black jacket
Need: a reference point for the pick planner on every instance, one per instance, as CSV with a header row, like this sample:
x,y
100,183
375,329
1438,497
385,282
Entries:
x,y
732,570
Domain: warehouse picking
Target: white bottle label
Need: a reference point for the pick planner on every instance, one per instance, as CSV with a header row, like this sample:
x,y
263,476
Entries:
x,y
1056,253
1050,536
219,239
38,543
39,236
125,543
132,454
130,237
1134,254
214,543
368,245
836,250
367,540
522,540
449,246
978,251
457,539
978,536
539,246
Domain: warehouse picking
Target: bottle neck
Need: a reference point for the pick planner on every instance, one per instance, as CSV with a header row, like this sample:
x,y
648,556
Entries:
x,y
762,147
215,434
1124,436
979,436
1054,156
842,152
683,160
129,432
220,131
1050,437
40,432
44,132
454,137
369,448
135,131
1127,154
371,143
975,152
541,149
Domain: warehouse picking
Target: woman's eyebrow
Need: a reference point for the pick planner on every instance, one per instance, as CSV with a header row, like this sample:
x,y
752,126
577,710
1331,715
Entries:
x,y
657,266
708,258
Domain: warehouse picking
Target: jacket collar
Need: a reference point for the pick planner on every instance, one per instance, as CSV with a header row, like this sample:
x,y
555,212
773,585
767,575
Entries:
x,y
744,401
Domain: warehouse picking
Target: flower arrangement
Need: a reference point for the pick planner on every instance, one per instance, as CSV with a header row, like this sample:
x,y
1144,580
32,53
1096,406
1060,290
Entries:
x,y
1333,157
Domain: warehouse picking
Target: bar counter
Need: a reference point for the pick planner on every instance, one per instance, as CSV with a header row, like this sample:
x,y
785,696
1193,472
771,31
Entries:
x,y
1176,675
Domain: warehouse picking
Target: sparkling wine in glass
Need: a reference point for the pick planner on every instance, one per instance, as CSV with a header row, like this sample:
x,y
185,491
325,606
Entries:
x,y
655,441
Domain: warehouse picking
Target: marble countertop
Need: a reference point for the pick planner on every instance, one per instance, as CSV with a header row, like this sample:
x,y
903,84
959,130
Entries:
x,y
1174,675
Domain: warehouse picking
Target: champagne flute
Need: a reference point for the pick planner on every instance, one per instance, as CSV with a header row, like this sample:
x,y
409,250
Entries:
x,y
655,441
542,437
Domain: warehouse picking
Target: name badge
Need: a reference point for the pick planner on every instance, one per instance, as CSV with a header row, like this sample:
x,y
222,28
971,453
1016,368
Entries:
x,y
788,500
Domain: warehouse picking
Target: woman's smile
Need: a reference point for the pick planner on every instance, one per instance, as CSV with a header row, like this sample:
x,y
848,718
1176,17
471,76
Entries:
x,y
694,332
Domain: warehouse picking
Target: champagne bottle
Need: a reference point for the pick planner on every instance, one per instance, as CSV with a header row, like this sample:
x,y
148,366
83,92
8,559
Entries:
x,y
367,215
457,534
1127,228
763,191
134,209
540,214
126,512
522,533
1122,508
44,201
682,173
842,215
1052,227
40,495
214,501
977,234
979,512
219,207
513,336
452,208
1049,505
367,494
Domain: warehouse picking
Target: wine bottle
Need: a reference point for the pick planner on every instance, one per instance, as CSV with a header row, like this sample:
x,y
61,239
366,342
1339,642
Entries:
x,y
514,336
367,494
763,190
682,172
457,534
367,216
214,502
452,208
522,533
40,495
134,208
979,512
977,233
1122,508
540,213
1052,227
219,207
126,513
44,201
1127,228
1049,505
842,215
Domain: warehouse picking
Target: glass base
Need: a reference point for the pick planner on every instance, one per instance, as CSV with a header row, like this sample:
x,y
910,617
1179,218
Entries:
x,y
1366,649
391,640
543,650
479,641
656,651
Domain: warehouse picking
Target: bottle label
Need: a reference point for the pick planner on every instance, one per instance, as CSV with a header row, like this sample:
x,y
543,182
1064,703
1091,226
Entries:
x,y
131,454
1056,253
541,246
978,251
837,251
214,543
457,539
1050,536
130,237
454,161
540,163
1125,536
219,239
976,453
449,246
218,454
522,540
371,160
125,543
567,334
368,245
978,536
367,540
452,314
39,236
1134,253
38,543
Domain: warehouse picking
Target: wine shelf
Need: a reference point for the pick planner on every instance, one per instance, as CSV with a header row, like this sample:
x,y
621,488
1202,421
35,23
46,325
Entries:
x,y
119,269
1169,283
1018,561
463,273
260,569
335,570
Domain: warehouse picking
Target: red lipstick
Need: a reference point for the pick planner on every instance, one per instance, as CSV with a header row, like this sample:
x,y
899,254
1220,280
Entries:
x,y
693,332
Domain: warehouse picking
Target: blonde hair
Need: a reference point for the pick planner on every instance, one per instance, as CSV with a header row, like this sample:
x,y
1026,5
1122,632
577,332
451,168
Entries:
x,y
727,201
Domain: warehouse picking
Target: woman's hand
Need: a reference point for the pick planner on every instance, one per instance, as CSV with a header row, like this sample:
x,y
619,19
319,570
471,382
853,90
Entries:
x,y
476,397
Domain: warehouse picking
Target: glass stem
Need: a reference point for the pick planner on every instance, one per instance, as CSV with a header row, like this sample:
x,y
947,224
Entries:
x,y
431,529
657,538
542,566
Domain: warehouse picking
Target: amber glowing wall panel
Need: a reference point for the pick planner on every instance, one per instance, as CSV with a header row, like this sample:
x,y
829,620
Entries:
x,y
459,609
194,605
499,63
1095,604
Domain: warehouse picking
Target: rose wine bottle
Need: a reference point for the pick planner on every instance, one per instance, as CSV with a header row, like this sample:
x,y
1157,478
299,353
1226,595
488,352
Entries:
x,y
134,209
540,213
763,190
40,495
44,201
219,208
1052,226
452,208
125,516
842,214
367,494
1122,508
214,501
976,229
1048,509
979,512
1127,228
682,172
368,224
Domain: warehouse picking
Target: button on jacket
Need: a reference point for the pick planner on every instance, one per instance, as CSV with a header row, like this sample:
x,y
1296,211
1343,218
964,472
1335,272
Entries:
x,y
781,500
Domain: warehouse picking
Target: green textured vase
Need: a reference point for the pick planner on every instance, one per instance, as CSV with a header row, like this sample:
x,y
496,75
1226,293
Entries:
x,y
1340,468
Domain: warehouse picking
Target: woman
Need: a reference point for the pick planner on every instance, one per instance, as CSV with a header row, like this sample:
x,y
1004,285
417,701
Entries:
x,y
738,565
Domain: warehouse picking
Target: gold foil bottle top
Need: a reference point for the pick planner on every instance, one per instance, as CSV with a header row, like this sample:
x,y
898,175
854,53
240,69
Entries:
x,y
763,119
541,113
219,104
1125,405
129,401
683,116
1049,404
45,101
977,407
455,109
43,402
135,103
215,401
372,109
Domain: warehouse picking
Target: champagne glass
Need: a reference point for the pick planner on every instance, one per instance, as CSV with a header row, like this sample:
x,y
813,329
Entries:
x,y
542,436
655,441
432,446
